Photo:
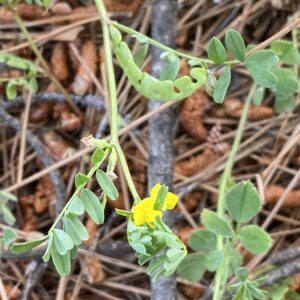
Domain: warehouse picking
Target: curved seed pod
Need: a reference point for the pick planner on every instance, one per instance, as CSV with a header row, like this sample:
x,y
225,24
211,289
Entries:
x,y
149,86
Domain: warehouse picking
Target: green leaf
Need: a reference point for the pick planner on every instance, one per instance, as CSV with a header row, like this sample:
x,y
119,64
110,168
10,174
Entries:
x,y
62,263
123,213
264,58
155,264
81,179
277,291
161,197
97,156
76,230
215,224
174,254
259,95
285,98
26,246
92,206
243,202
243,294
11,91
33,84
214,260
139,57
9,236
235,260
194,62
259,65
235,44
172,57
255,239
286,51
285,103
7,215
62,241
141,38
107,185
76,206
47,253
242,274
73,252
139,248
192,267
222,85
256,292
170,69
287,82
99,143
203,240
8,195
216,51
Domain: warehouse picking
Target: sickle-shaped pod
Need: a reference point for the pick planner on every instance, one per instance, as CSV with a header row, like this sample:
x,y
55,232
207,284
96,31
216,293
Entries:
x,y
149,86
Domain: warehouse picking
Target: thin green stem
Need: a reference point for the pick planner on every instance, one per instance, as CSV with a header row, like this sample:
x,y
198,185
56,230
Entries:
x,y
78,190
221,276
127,174
166,48
44,64
159,45
113,103
113,98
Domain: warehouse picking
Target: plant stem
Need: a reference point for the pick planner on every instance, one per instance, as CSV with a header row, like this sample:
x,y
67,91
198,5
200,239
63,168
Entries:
x,y
221,276
113,99
166,48
78,190
112,89
127,174
43,62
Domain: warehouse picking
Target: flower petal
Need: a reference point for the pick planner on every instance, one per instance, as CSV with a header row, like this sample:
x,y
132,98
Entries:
x,y
170,201
155,190
143,217
145,205
143,212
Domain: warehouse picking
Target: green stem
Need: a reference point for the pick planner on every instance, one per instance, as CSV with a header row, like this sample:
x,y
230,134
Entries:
x,y
113,99
127,174
166,48
78,190
112,89
221,276
43,62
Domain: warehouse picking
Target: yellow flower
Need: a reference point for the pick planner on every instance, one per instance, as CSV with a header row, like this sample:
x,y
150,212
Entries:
x,y
143,212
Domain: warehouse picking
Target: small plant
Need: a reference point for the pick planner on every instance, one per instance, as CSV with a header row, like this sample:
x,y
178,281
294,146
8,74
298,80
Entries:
x,y
7,236
242,203
27,79
154,243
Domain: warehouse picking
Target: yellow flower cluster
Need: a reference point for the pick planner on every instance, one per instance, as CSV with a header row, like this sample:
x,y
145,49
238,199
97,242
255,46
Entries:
x,y
144,212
